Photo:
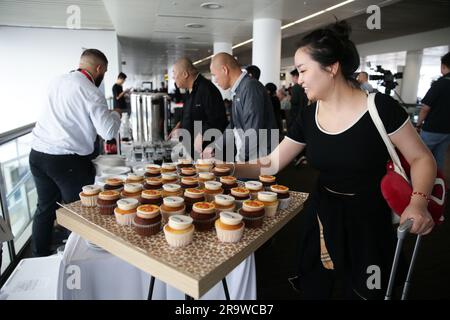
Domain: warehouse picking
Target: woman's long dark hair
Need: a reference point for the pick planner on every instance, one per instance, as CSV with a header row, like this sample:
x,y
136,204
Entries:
x,y
332,44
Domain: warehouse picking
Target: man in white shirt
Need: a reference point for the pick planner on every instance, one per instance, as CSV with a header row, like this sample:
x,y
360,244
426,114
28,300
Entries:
x,y
63,139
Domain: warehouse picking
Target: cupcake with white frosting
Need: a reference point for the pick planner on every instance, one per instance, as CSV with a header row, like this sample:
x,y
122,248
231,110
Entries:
x,y
229,227
89,195
270,201
126,211
132,190
179,231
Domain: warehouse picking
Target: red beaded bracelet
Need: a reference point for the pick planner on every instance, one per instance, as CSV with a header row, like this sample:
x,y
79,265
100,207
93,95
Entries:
x,y
418,193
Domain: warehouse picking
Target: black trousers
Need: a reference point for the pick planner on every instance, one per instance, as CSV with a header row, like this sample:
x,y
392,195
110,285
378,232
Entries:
x,y
57,178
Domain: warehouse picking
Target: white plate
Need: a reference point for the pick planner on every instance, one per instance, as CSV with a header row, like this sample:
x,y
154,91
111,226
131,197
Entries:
x,y
117,170
102,179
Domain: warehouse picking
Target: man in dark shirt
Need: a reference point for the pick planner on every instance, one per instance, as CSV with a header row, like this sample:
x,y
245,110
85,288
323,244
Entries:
x,y
203,103
435,114
119,94
298,98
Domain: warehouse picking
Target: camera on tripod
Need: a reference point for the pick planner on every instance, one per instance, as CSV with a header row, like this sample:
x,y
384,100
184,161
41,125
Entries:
x,y
387,77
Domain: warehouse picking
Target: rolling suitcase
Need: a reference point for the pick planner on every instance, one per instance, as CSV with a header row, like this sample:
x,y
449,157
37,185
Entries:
x,y
402,232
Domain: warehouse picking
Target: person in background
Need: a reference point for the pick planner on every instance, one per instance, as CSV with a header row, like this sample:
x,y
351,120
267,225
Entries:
x,y
434,116
119,94
251,108
347,224
203,103
272,92
75,112
299,100
363,80
285,104
253,72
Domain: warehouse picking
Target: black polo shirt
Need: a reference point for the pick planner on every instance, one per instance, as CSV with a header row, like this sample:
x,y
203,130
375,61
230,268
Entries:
x,y
205,104
438,99
118,103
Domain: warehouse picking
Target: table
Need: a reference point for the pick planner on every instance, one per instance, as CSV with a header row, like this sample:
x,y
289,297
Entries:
x,y
193,269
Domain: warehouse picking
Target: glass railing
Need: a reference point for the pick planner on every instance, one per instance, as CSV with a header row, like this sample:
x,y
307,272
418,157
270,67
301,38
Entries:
x,y
17,192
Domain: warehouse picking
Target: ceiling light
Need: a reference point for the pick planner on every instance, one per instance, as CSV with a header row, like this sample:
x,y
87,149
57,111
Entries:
x,y
194,25
211,5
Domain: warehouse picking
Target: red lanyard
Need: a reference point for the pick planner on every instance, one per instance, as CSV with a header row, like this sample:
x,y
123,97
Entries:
x,y
87,75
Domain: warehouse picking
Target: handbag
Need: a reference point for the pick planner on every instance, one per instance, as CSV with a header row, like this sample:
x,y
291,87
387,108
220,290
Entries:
x,y
395,185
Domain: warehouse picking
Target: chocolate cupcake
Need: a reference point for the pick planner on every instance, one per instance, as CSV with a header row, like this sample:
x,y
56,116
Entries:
x,y
152,171
191,196
221,170
188,172
253,213
204,215
254,187
240,194
147,221
267,181
228,183
282,194
107,201
153,183
168,168
151,197
184,163
132,190
189,182
113,184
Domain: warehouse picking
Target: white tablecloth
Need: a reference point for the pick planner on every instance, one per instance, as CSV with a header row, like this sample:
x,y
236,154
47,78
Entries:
x,y
105,276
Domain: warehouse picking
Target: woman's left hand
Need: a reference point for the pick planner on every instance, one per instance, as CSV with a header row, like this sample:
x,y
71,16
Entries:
x,y
422,221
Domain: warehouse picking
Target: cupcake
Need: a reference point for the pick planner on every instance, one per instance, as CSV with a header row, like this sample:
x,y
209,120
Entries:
x,y
172,190
204,215
253,213
221,170
168,167
282,195
107,200
191,196
147,221
224,203
172,206
179,231
205,176
240,195
125,211
184,163
270,202
153,183
267,181
152,171
188,172
229,227
151,197
169,177
89,195
132,190
211,189
254,187
189,182
113,184
204,165
135,178
228,183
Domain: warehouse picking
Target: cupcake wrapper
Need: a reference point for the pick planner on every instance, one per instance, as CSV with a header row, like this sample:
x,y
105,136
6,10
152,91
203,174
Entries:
x,y
253,222
271,211
89,201
125,219
107,210
147,230
179,240
229,235
284,203
204,225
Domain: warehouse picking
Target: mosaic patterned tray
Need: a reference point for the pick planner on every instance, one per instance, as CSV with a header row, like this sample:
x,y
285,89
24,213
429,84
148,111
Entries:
x,y
202,263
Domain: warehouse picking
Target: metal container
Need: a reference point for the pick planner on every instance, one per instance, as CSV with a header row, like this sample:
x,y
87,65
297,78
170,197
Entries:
x,y
149,116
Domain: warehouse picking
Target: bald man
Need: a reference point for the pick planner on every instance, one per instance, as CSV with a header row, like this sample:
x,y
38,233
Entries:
x,y
363,80
251,108
203,103
75,111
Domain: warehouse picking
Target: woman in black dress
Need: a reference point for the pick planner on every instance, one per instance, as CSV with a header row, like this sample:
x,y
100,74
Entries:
x,y
347,206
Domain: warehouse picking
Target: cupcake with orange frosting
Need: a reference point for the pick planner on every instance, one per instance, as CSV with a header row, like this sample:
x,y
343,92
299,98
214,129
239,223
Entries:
x,y
228,183
152,171
126,211
153,183
253,213
240,194
212,188
189,182
229,227
191,196
89,195
172,206
132,190
188,172
224,202
267,181
168,167
135,178
107,201
113,184
147,221
204,215
270,201
151,197
282,195
179,231
221,170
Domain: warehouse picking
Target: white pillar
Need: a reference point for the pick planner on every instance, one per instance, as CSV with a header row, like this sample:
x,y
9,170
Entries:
x,y
223,47
411,76
170,82
266,53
